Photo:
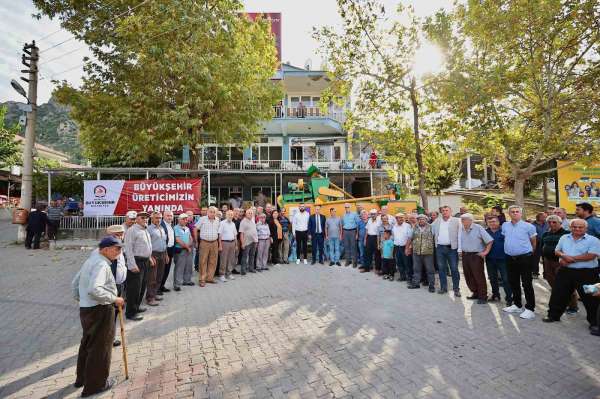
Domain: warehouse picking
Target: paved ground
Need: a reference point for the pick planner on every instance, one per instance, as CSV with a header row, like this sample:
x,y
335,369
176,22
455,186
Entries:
x,y
297,331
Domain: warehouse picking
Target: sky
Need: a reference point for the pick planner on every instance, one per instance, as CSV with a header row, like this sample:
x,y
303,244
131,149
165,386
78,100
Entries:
x,y
64,61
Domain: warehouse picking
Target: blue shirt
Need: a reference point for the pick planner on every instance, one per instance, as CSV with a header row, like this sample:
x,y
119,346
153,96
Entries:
x,y
593,228
497,251
362,229
586,244
387,249
183,233
517,237
350,221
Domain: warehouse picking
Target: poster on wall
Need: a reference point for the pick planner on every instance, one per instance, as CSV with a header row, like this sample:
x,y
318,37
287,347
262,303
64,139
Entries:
x,y
116,197
578,183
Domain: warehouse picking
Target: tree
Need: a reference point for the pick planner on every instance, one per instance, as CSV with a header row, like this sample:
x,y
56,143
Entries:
x,y
524,79
372,58
9,148
443,168
167,73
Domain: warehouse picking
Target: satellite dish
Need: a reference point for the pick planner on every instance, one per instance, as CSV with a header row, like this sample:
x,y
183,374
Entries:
x,y
308,64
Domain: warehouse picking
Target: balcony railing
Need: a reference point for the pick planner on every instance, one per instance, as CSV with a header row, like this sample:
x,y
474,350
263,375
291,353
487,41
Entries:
x,y
299,165
303,112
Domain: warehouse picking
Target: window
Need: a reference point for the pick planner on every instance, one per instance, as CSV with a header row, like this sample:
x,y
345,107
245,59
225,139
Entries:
x,y
275,153
316,101
210,154
237,154
223,153
264,153
305,100
268,191
337,153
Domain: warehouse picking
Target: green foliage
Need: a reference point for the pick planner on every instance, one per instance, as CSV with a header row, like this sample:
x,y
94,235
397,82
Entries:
x,y
9,149
68,185
474,208
523,78
167,73
491,201
443,168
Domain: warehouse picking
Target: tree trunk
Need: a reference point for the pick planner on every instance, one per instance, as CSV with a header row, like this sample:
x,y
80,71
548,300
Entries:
x,y
519,190
418,153
545,192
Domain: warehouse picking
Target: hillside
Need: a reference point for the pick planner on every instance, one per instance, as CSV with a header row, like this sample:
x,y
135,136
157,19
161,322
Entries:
x,y
54,127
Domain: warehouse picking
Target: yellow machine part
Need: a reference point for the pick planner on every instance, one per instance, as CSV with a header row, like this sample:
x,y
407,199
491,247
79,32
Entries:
x,y
367,203
330,192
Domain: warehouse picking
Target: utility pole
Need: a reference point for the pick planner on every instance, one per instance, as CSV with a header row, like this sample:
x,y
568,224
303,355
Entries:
x,y
30,54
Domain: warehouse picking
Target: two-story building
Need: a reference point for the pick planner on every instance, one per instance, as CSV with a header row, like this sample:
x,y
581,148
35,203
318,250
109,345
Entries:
x,y
300,134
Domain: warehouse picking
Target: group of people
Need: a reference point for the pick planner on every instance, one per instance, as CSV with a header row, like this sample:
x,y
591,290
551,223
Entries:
x,y
134,260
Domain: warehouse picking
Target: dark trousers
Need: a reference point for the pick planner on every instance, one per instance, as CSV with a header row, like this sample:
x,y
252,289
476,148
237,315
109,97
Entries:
x,y
495,266
567,280
248,255
387,266
535,261
404,263
93,360
519,272
350,248
53,229
275,258
33,237
170,253
155,275
370,251
136,286
318,243
302,244
474,274
551,267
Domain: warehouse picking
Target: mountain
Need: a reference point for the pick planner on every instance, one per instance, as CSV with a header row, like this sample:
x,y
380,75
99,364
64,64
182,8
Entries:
x,y
54,127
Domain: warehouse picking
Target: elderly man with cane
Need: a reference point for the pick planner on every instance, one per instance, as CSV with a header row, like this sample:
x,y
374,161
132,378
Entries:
x,y
95,289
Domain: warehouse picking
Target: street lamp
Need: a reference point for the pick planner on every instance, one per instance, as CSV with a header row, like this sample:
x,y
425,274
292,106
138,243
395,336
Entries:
x,y
19,89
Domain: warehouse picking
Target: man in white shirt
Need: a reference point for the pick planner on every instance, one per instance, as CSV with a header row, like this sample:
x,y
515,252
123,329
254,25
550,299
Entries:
x,y
227,244
384,212
208,233
402,232
300,230
372,228
445,232
167,225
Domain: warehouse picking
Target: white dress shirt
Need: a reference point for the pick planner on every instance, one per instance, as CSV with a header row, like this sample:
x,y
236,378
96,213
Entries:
x,y
444,233
373,227
227,230
402,233
170,235
300,221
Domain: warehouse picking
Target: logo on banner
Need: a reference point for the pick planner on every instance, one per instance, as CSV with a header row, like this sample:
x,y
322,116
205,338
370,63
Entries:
x,y
100,191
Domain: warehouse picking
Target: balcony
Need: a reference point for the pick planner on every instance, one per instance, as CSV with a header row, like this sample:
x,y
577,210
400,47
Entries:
x,y
285,166
303,112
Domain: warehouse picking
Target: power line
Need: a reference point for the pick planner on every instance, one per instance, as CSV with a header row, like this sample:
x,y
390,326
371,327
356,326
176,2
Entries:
x,y
64,71
62,55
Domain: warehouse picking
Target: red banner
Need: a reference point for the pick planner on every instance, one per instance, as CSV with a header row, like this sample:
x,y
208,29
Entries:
x,y
177,195
275,19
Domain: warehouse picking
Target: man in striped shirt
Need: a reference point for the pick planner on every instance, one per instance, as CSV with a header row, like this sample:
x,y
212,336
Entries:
x,y
55,213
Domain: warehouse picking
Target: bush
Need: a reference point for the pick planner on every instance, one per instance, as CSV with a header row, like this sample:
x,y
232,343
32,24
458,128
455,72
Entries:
x,y
474,208
491,201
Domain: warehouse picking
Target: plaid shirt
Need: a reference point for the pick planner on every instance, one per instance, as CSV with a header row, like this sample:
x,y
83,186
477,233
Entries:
x,y
209,229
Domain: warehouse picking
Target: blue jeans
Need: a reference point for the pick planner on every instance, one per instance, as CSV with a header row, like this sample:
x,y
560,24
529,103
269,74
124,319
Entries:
x,y
446,256
318,243
495,266
361,250
334,249
404,264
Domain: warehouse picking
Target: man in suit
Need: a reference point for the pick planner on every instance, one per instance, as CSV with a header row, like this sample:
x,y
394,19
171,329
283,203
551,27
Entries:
x,y
36,226
445,232
316,229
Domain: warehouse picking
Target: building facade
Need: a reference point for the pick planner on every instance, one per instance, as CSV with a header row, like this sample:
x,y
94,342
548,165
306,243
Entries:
x,y
300,134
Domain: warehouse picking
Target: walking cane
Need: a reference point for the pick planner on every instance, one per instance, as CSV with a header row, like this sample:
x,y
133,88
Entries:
x,y
123,341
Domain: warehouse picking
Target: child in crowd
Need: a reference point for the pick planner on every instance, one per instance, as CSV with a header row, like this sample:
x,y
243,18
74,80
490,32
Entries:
x,y
387,256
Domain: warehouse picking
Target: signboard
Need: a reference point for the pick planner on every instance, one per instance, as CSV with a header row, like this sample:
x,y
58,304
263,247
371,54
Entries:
x,y
275,19
116,197
578,183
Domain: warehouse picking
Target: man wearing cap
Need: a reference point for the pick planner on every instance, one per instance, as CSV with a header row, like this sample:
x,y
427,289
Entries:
x,y
421,246
183,253
208,233
117,266
95,289
474,244
158,238
350,222
372,232
129,220
138,252
402,233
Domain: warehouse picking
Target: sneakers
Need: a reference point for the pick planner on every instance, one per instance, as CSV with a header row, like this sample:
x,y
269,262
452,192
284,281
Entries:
x,y
298,261
527,315
230,277
572,311
305,262
222,279
513,309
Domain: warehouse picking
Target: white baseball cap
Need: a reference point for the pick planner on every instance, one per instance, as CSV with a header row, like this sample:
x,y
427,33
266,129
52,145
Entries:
x,y
131,215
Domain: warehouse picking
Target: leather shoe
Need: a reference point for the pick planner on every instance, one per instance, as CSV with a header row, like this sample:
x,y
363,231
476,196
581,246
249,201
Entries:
x,y
107,387
472,297
142,310
116,342
202,284
152,303
135,318
414,286
165,290
177,288
481,301
595,331
158,298
78,384
549,320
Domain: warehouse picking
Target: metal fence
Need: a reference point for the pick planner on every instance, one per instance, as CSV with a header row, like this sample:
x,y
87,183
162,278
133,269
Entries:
x,y
89,222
